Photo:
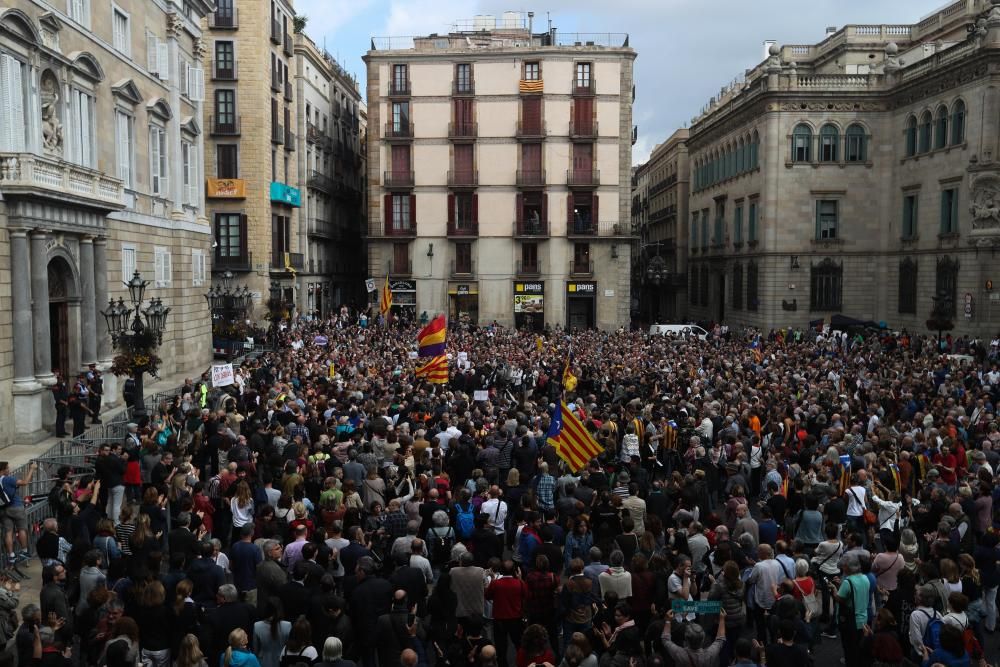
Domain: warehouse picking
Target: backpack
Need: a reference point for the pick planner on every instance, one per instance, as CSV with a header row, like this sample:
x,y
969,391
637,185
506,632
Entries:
x,y
972,646
441,547
465,520
5,500
932,632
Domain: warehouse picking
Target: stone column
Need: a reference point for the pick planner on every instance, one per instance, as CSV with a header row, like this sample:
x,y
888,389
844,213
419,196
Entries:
x,y
88,305
24,369
40,306
101,297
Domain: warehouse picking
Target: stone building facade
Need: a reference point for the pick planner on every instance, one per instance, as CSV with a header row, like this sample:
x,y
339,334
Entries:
x,y
499,166
100,145
857,176
330,161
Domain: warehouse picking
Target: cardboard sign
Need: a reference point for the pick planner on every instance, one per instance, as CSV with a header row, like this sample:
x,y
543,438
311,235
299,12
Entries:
x,y
481,395
696,606
370,285
222,375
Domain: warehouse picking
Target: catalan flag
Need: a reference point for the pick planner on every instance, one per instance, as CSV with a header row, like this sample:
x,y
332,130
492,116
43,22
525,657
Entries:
x,y
923,465
430,340
385,303
842,473
434,371
669,440
573,443
531,86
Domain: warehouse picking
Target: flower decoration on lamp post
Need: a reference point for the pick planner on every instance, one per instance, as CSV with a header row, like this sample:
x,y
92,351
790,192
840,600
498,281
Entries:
x,y
136,332
230,308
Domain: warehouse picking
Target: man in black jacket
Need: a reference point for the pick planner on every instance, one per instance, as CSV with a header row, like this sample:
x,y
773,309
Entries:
x,y
109,469
370,597
226,617
207,577
181,540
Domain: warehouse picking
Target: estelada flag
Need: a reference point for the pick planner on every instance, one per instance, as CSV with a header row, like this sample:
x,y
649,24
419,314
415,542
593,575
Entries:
x,y
434,371
385,302
573,443
431,339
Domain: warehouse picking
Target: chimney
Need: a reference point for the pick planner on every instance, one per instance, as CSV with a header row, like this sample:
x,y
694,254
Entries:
x,y
768,43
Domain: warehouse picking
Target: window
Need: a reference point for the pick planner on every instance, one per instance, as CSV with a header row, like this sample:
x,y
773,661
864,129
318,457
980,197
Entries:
x,y
157,56
463,258
739,157
529,257
855,144
703,285
400,83
693,287
225,110
401,215
738,225
583,80
463,78
12,119
754,146
81,128
720,223
908,286
158,160
189,173
737,295
465,210
227,161
941,128
229,235
949,211
400,118
826,283
826,220
958,123
911,136
121,35
163,271
752,222
946,283
128,261
704,228
197,267
532,71
401,258
753,299
694,230
79,11
829,141
123,146
910,216
802,144
925,132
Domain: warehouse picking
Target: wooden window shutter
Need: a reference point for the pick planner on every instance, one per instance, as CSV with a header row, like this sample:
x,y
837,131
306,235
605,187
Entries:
x,y
388,211
519,209
451,209
475,209
413,211
569,211
818,229
545,209
593,212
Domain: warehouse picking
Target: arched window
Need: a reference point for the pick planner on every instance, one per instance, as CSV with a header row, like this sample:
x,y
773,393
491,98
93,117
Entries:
x,y
958,123
925,132
802,143
856,144
754,145
740,164
829,141
911,136
941,127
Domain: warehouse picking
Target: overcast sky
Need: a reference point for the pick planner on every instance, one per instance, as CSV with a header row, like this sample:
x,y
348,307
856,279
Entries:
x,y
687,49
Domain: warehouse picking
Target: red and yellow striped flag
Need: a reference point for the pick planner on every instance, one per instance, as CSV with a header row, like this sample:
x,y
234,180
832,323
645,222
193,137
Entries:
x,y
573,443
385,302
434,371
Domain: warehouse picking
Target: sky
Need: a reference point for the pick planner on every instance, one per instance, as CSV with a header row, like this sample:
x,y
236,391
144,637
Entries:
x,y
687,49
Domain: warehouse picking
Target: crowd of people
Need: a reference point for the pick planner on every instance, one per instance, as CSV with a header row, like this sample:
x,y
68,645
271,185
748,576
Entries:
x,y
760,499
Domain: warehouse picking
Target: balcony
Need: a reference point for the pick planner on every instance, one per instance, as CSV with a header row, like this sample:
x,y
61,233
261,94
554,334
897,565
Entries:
x,y
467,178
402,131
528,269
224,126
313,134
288,91
235,263
584,87
531,228
531,130
463,269
583,178
275,31
581,227
320,181
530,178
463,130
289,141
277,133
462,88
36,176
396,230
224,71
397,179
399,269
228,20
282,261
463,228
288,46
399,88
586,131
581,268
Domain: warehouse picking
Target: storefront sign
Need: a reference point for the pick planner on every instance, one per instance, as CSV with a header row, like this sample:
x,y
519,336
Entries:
x,y
286,194
583,289
226,188
609,292
462,290
529,288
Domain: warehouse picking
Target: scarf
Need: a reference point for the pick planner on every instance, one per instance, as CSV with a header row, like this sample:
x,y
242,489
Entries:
x,y
627,624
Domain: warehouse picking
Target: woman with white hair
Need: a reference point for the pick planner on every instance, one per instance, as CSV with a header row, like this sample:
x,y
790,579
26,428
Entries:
x,y
440,538
333,654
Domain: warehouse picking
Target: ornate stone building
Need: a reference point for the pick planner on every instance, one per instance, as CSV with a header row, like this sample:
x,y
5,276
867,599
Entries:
x,y
100,138
855,176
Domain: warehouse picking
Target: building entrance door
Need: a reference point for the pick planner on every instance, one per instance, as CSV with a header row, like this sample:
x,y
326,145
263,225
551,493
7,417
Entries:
x,y
59,335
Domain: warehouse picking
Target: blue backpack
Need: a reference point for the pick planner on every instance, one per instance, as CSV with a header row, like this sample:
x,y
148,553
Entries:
x,y
466,520
932,633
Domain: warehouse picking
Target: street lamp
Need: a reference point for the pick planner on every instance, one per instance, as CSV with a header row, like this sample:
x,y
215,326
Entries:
x,y
229,309
136,332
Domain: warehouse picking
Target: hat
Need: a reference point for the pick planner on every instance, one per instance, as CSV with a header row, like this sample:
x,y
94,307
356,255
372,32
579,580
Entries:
x,y
933,472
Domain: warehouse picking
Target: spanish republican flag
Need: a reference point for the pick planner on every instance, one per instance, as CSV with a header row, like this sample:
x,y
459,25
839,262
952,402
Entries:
x,y
385,303
434,371
573,443
430,340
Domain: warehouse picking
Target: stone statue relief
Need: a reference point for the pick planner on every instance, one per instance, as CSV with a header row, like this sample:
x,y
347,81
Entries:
x,y
985,202
52,130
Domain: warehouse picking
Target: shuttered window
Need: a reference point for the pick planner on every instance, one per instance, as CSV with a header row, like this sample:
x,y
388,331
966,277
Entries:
x,y
163,270
81,128
123,147
197,267
158,160
128,261
12,125
120,32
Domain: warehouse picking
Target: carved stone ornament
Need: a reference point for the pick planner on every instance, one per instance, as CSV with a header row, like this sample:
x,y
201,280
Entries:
x,y
985,202
199,49
52,129
832,106
175,24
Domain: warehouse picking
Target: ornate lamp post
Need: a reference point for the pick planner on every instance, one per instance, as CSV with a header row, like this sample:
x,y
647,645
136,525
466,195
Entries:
x,y
137,333
657,274
229,309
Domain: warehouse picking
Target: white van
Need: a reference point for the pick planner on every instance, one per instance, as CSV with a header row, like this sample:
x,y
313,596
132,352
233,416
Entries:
x,y
678,330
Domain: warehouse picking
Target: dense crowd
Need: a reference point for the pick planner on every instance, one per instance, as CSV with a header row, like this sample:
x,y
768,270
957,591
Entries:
x,y
757,495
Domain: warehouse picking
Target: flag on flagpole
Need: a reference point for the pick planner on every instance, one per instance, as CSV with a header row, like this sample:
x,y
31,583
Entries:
x,y
894,470
573,443
431,339
434,371
385,302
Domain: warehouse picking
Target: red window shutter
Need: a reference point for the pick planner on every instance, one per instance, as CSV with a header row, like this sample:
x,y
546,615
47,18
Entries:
x,y
413,211
475,209
388,211
593,213
569,211
451,209
545,209
519,209
531,113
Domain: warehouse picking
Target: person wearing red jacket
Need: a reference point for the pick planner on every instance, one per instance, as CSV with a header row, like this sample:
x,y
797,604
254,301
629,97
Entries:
x,y
507,594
